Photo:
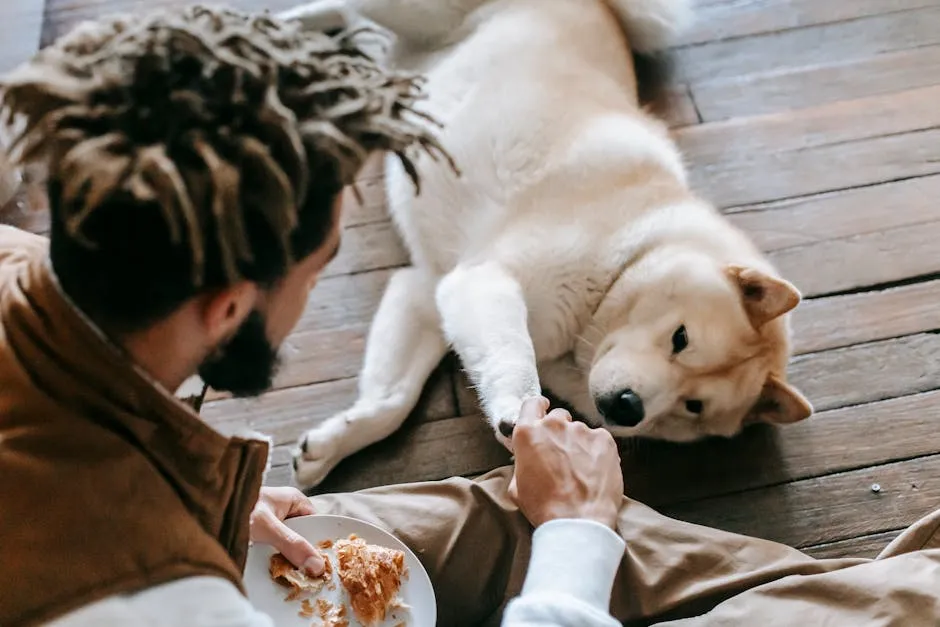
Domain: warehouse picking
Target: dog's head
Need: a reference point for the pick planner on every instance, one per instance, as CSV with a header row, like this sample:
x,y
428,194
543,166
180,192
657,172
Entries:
x,y
690,348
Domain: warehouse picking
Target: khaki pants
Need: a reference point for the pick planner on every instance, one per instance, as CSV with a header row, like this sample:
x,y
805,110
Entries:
x,y
475,545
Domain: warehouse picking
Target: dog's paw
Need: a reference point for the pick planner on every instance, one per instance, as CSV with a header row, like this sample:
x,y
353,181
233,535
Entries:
x,y
317,453
504,429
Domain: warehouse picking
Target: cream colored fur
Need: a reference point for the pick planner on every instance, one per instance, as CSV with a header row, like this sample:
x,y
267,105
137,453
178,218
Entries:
x,y
570,251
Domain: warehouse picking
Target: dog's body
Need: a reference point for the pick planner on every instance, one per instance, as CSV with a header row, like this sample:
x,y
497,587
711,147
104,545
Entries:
x,y
570,253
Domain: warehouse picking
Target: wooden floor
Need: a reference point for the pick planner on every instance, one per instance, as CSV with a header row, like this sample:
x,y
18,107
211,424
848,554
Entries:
x,y
815,125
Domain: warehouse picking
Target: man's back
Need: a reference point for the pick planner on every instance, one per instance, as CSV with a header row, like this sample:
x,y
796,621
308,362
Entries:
x,y
100,466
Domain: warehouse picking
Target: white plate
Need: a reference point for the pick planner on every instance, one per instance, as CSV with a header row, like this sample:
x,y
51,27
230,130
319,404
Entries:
x,y
267,596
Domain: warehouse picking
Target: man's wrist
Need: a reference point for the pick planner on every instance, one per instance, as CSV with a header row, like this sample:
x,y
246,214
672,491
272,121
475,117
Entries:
x,y
602,514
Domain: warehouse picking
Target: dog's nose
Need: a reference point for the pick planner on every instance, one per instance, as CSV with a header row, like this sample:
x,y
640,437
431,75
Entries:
x,y
624,408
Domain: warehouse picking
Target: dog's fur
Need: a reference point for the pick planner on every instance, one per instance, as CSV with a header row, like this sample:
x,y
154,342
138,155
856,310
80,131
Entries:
x,y
570,251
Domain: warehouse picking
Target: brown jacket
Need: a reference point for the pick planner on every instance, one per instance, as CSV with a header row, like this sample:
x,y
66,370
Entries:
x,y
108,484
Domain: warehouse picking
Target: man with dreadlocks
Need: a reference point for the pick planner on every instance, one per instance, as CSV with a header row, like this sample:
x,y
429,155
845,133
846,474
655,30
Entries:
x,y
195,163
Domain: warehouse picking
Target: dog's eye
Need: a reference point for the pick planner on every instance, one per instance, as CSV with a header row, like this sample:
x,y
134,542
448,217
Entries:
x,y
694,407
680,339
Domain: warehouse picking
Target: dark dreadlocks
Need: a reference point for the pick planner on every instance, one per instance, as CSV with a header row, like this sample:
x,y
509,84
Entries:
x,y
190,149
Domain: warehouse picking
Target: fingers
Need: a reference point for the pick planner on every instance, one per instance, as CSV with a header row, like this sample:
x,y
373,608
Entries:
x,y
300,505
560,415
286,502
533,410
266,528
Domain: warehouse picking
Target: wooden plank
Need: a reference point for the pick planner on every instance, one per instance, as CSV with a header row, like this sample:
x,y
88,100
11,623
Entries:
x,y
343,300
462,446
816,127
867,546
788,87
868,372
825,509
372,246
322,356
422,452
839,321
285,414
839,214
22,23
677,107
800,47
330,339
830,147
369,207
862,261
835,441
727,19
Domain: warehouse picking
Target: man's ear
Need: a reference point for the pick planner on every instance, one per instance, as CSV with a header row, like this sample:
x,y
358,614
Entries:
x,y
779,403
223,311
764,297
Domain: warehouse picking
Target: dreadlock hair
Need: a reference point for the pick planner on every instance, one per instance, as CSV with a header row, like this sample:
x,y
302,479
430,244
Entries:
x,y
193,148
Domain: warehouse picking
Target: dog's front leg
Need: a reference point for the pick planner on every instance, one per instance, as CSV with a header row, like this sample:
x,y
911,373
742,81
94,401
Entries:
x,y
404,346
485,318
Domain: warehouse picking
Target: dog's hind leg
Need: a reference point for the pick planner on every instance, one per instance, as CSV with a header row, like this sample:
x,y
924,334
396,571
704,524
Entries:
x,y
404,346
485,318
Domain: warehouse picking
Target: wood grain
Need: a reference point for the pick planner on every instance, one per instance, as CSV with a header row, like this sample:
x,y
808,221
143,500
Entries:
x,y
834,441
862,37
781,89
838,321
429,451
717,20
371,246
819,149
285,414
867,546
865,260
868,372
841,214
825,509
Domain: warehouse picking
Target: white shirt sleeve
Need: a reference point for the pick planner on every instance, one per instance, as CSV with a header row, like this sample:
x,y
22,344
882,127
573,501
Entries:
x,y
571,573
193,602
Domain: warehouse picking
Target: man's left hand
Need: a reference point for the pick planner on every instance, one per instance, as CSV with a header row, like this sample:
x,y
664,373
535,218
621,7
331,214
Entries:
x,y
267,527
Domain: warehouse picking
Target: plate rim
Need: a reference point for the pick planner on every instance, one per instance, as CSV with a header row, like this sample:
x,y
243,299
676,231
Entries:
x,y
339,518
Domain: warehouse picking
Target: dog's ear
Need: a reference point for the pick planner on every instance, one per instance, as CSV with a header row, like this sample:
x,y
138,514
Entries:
x,y
779,403
765,297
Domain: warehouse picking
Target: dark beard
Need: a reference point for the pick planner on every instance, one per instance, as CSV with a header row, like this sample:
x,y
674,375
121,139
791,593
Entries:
x,y
246,364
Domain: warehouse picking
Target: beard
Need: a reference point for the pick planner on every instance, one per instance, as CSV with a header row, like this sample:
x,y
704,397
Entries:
x,y
246,364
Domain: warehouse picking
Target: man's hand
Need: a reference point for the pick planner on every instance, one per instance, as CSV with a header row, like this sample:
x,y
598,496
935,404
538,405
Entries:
x,y
564,469
267,527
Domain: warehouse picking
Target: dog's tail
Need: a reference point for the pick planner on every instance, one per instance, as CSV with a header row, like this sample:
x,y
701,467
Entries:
x,y
652,25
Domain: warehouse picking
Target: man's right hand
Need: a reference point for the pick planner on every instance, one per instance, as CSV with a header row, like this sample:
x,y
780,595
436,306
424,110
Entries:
x,y
564,469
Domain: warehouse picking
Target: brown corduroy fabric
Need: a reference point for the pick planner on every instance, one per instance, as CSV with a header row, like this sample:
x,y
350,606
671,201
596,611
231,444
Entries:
x,y
109,484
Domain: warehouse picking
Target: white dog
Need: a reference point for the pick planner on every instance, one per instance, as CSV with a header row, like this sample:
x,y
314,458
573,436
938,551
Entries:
x,y
570,254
